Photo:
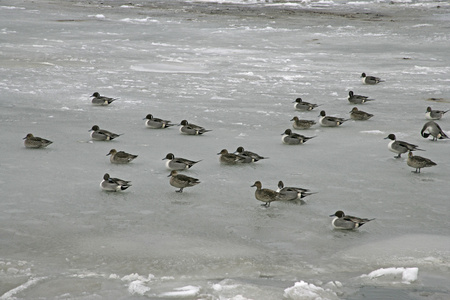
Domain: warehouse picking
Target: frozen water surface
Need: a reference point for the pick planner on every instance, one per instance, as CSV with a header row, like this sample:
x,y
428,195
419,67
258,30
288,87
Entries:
x,y
234,67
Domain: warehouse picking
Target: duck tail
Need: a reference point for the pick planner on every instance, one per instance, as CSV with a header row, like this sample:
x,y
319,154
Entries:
x,y
368,220
190,165
424,134
304,194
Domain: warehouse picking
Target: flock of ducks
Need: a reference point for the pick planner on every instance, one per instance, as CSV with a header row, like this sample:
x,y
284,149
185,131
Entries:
x,y
241,156
415,161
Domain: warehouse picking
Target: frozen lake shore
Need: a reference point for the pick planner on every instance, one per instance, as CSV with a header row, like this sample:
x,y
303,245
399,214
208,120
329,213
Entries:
x,y
235,69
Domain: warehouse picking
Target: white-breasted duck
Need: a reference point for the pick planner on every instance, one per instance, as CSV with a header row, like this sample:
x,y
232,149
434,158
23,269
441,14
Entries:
x,y
370,79
400,147
432,128
341,221
102,135
101,100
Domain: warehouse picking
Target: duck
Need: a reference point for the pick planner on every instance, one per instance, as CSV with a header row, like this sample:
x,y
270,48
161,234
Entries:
x,y
291,138
102,135
304,106
432,114
370,79
232,159
101,100
265,195
255,157
400,147
31,141
178,163
156,123
181,181
341,221
110,184
327,121
359,115
418,162
191,129
120,157
290,193
433,129
357,99
302,124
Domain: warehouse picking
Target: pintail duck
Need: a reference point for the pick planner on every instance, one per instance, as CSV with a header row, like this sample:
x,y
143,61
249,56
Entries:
x,y
120,157
178,163
304,106
114,184
31,141
432,114
265,195
101,134
101,100
156,123
341,221
328,121
302,124
255,157
418,162
359,115
291,138
191,129
400,147
232,159
357,99
290,193
370,79
181,181
433,129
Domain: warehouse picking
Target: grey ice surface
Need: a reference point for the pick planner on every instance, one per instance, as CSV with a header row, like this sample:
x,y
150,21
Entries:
x,y
235,69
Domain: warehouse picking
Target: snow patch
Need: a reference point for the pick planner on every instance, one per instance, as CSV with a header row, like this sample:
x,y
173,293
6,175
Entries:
x,y
138,287
186,291
308,291
9,294
373,132
169,68
144,20
137,283
98,16
408,274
